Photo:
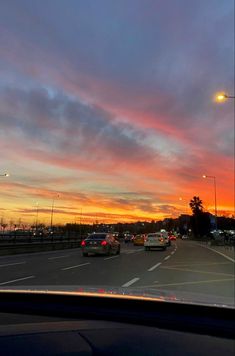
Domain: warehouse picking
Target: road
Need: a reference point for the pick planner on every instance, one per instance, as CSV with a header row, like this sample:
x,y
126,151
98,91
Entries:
x,y
185,267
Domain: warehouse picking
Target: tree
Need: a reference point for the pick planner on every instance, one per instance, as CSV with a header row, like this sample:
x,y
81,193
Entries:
x,y
196,205
200,220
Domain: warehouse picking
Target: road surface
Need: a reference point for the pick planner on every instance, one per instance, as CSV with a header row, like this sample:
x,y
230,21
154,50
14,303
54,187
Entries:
x,y
184,267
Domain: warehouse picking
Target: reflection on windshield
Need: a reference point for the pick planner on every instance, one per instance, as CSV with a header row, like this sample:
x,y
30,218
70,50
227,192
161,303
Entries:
x,y
117,147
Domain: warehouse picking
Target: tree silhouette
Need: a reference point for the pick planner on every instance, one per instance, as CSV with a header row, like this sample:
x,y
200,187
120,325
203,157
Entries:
x,y
196,205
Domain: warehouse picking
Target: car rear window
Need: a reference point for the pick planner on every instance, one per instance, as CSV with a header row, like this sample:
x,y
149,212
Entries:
x,y
97,237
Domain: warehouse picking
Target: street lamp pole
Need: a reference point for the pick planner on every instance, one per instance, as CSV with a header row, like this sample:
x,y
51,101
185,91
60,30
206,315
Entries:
x,y
52,212
215,193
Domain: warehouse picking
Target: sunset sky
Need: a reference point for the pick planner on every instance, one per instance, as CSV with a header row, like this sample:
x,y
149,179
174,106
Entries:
x,y
107,108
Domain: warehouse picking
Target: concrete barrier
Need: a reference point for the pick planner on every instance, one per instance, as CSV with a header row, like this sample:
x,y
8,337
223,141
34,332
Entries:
x,y
13,249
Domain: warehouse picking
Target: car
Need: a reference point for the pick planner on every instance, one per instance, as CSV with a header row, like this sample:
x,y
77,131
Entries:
x,y
154,240
172,238
128,238
100,244
139,240
184,237
166,237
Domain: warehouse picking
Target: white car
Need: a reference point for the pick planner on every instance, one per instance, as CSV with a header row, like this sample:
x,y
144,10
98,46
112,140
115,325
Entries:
x,y
156,239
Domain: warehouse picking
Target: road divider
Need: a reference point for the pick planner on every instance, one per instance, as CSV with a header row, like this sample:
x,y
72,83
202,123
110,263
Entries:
x,y
8,249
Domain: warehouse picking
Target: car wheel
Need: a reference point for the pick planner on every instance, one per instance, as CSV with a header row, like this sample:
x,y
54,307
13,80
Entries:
x,y
146,248
118,251
85,254
164,248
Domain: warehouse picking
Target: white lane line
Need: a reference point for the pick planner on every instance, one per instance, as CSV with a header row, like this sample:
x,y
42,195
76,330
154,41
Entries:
x,y
16,280
109,258
219,253
166,258
132,281
83,264
155,266
172,253
13,264
54,258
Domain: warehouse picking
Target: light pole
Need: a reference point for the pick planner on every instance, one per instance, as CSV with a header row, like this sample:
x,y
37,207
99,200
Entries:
x,y
222,97
36,227
214,179
52,211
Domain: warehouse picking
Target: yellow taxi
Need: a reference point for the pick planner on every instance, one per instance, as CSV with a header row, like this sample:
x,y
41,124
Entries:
x,y
139,240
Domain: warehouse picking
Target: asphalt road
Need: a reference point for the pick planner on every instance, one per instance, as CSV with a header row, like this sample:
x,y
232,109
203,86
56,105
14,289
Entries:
x,y
185,267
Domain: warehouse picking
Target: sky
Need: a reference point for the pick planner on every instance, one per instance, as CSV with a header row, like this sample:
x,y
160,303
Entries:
x,y
107,110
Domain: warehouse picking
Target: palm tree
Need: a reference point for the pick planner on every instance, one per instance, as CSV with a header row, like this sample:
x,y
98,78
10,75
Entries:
x,y
196,205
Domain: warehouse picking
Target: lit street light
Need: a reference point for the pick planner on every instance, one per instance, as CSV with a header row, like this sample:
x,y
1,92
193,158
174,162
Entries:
x,y
222,97
214,178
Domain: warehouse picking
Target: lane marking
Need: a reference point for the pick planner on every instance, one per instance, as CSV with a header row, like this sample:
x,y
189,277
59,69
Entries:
x,y
54,258
155,266
219,253
132,281
167,257
197,282
83,264
16,280
13,264
109,258
196,271
172,253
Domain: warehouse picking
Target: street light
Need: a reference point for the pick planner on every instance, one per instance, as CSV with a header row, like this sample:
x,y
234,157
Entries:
x,y
214,178
52,210
222,97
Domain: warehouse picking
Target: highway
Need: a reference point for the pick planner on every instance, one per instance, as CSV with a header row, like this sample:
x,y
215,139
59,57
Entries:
x,y
185,267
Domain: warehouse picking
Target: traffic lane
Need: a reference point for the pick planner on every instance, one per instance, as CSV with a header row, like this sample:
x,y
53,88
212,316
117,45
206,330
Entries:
x,y
193,269
93,270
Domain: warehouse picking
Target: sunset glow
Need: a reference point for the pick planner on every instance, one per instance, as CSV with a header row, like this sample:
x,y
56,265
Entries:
x,y
109,109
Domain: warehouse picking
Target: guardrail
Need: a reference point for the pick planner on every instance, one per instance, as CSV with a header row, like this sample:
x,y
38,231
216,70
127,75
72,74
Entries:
x,y
16,247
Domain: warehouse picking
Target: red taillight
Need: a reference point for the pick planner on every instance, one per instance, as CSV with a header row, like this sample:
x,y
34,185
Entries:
x,y
104,243
83,243
161,240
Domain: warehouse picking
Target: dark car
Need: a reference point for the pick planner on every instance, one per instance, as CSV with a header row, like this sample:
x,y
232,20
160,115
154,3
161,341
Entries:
x,y
128,238
100,244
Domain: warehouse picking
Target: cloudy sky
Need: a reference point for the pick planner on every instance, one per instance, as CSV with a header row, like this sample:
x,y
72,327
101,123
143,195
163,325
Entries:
x,y
107,107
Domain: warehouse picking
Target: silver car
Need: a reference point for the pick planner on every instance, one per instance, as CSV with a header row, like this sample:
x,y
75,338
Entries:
x,y
100,244
154,240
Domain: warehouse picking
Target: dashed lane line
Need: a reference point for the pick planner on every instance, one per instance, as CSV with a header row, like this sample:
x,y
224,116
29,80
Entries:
x,y
109,258
13,264
132,281
71,267
167,257
55,258
16,280
155,266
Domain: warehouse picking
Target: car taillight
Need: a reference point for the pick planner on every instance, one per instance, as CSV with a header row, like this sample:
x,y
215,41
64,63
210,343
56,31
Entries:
x,y
161,240
104,243
83,243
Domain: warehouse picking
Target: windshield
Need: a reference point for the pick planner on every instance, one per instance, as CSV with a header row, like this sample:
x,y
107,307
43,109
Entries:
x,y
117,124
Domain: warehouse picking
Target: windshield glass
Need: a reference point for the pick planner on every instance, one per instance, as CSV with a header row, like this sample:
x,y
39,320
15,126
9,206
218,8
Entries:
x,y
117,118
